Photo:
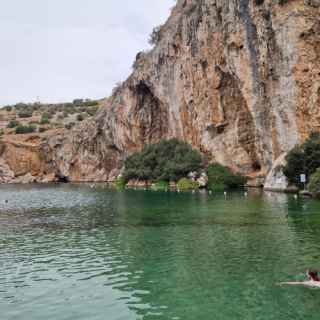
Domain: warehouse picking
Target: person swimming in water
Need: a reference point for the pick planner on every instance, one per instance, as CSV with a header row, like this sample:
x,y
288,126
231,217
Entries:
x,y
312,275
313,280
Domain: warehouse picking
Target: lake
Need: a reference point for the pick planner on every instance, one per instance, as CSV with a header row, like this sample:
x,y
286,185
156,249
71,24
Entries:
x,y
73,252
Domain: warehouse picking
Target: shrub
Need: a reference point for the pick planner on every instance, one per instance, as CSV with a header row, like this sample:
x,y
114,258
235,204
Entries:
x,y
78,102
160,186
25,129
25,114
120,184
155,36
220,178
166,160
13,124
185,184
303,159
69,125
8,108
314,184
1,132
42,129
92,110
91,103
45,118
80,117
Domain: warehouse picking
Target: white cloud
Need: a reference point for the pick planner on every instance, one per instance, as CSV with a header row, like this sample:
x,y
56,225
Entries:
x,y
59,50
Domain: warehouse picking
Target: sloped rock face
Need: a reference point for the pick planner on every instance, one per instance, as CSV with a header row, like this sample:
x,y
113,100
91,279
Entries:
x,y
237,79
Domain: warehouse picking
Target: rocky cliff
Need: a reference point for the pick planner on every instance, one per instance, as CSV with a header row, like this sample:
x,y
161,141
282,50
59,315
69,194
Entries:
x,y
237,79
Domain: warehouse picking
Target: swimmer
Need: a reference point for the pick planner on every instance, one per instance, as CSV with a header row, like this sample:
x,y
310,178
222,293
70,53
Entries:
x,y
313,280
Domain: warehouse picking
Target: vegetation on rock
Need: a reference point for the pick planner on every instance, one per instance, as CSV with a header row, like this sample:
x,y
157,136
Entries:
x,y
221,178
45,119
185,184
120,183
160,186
12,124
303,159
168,160
155,36
52,116
25,129
314,183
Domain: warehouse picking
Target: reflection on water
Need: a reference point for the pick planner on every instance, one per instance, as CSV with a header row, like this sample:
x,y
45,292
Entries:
x,y
72,252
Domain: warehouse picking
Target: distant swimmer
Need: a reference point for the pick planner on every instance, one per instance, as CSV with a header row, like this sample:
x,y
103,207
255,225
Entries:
x,y
313,280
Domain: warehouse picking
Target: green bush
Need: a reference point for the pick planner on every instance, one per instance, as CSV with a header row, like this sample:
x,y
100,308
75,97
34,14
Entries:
x,y
167,160
120,184
221,178
185,184
45,118
12,124
1,132
314,183
25,129
8,108
160,186
25,114
303,159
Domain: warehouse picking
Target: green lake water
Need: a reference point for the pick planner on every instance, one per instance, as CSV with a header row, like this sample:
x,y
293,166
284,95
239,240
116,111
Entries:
x,y
72,252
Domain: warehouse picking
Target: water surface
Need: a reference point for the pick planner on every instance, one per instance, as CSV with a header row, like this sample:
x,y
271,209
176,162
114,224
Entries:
x,y
72,252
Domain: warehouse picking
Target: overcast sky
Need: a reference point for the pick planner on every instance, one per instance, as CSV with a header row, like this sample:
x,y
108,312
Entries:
x,y
58,50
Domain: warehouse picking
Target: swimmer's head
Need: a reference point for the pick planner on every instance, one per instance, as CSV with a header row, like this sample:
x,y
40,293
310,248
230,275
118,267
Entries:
x,y
312,275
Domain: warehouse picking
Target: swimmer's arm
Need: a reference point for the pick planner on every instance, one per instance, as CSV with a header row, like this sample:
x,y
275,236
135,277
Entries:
x,y
305,283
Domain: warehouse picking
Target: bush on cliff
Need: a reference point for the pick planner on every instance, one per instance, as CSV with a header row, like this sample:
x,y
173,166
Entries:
x,y
45,119
221,178
25,129
12,124
304,158
168,160
25,114
185,184
314,184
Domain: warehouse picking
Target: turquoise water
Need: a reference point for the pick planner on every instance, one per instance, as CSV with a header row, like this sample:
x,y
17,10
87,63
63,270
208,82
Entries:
x,y
72,252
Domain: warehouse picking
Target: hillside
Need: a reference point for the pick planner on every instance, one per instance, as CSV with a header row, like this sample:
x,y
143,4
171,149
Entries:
x,y
37,117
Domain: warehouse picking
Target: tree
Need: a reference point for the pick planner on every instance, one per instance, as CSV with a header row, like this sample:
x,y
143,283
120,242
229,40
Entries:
x,y
220,178
168,160
304,158
155,36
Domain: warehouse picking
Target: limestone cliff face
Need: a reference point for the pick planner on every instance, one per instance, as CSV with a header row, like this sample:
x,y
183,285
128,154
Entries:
x,y
237,79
